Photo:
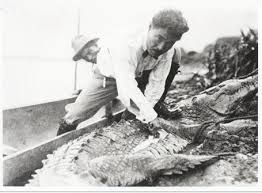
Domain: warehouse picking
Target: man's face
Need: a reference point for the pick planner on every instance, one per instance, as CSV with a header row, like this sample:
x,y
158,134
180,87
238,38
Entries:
x,y
159,41
89,53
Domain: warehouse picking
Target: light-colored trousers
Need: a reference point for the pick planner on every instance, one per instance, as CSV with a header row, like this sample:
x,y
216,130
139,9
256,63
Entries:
x,y
97,94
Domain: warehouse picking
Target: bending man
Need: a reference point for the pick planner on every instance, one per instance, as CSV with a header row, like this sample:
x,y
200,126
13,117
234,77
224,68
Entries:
x,y
139,72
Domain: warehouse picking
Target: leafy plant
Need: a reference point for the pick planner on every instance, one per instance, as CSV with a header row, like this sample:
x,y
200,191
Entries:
x,y
233,57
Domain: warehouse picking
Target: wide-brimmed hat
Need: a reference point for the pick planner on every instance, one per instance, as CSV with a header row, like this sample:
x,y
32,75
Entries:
x,y
79,43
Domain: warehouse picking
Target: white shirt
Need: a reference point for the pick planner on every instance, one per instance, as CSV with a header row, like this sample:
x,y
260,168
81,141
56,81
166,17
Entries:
x,y
124,63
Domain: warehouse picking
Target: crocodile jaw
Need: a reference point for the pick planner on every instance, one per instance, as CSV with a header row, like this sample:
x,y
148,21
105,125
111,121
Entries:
x,y
231,92
218,100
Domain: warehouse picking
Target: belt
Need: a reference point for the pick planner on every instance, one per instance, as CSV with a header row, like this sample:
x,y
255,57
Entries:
x,y
104,78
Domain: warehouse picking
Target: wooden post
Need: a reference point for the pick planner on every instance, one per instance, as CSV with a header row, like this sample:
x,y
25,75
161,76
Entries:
x,y
77,91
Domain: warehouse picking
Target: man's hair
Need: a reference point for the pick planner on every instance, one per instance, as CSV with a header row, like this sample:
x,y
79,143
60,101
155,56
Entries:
x,y
172,20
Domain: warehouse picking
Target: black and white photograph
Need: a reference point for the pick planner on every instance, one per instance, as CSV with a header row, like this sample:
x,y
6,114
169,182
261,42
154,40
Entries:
x,y
130,95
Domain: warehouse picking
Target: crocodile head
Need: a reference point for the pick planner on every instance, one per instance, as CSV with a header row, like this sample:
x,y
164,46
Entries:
x,y
219,101
213,104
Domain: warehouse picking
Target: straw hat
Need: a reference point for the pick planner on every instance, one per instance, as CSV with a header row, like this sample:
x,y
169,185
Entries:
x,y
79,43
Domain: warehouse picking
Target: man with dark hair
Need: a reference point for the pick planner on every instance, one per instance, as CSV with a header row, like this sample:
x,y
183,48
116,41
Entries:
x,y
139,72
172,21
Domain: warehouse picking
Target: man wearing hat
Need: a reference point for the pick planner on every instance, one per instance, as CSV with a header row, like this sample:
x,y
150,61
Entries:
x,y
139,72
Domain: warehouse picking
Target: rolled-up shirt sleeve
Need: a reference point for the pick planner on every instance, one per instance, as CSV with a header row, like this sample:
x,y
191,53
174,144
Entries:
x,y
124,69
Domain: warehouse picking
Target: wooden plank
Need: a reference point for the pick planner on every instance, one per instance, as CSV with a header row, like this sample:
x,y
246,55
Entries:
x,y
21,163
27,126
8,150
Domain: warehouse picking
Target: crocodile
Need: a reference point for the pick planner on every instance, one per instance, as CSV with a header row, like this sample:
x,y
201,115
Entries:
x,y
215,105
126,153
122,154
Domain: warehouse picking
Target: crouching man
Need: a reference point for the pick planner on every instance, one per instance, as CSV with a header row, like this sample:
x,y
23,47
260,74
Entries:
x,y
139,73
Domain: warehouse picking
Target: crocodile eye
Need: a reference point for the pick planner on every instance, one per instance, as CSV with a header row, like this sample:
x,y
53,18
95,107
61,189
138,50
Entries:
x,y
76,158
194,99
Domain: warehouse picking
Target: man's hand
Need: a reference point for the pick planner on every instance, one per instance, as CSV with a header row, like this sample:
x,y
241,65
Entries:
x,y
160,124
155,123
154,126
162,111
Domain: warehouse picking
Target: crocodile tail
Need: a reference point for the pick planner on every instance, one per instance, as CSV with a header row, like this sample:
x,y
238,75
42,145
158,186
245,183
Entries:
x,y
133,169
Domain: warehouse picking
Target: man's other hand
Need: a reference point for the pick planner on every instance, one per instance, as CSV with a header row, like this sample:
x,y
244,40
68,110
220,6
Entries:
x,y
162,111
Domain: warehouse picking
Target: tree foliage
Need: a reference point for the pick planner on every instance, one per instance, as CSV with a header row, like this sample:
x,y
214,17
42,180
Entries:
x,y
233,57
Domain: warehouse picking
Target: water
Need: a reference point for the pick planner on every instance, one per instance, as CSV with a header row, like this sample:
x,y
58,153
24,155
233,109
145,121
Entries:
x,y
29,80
